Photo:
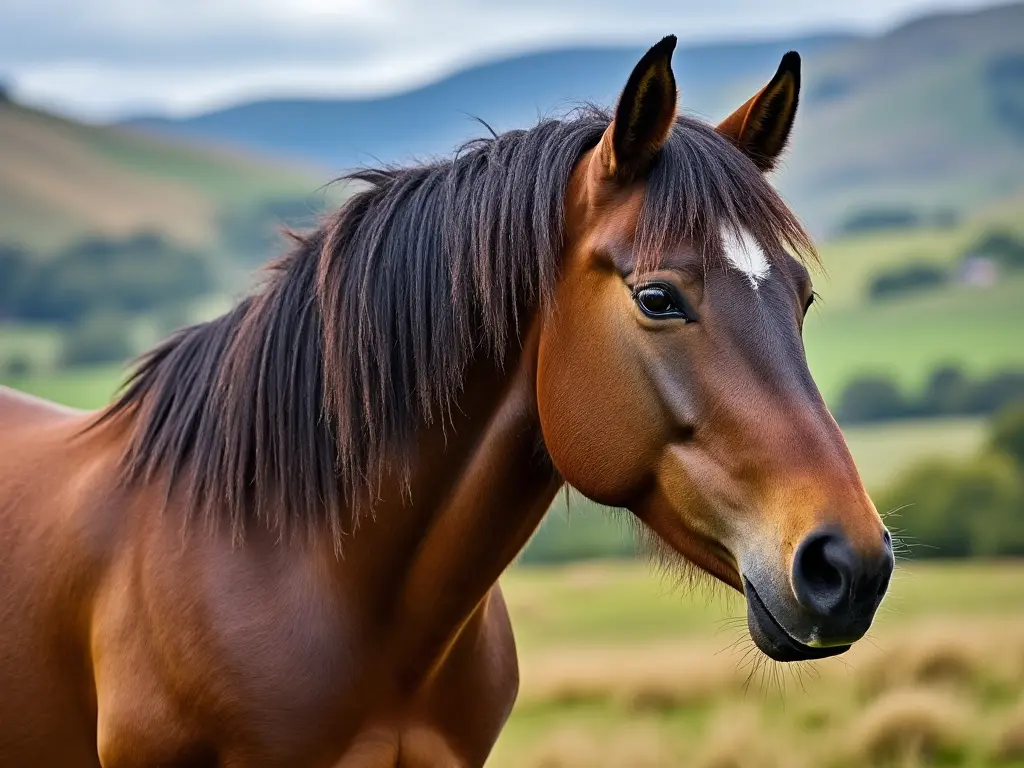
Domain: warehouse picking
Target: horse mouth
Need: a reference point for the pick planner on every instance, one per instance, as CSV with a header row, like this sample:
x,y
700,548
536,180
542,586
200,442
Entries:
x,y
772,638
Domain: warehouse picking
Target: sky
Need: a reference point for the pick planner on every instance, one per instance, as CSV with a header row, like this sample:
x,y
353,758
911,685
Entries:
x,y
106,59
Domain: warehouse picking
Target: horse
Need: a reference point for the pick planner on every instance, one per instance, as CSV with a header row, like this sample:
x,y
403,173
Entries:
x,y
280,545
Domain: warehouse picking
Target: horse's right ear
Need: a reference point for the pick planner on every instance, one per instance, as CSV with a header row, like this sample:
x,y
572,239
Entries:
x,y
644,117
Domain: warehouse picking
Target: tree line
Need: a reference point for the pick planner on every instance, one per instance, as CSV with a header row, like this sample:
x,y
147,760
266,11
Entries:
x,y
949,391
93,290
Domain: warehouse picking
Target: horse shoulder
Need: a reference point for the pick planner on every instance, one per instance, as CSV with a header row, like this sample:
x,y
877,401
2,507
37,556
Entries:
x,y
472,694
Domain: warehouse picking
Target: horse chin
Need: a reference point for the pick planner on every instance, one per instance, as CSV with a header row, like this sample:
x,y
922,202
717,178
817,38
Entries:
x,y
771,637
691,551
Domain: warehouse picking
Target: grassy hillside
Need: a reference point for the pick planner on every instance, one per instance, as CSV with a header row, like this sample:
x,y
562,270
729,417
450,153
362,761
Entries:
x,y
60,179
929,115
620,667
979,328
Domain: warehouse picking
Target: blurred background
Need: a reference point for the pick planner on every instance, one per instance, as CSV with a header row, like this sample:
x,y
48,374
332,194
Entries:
x,y
151,152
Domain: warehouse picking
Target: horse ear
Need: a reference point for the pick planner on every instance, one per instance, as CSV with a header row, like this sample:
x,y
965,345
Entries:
x,y
761,127
644,117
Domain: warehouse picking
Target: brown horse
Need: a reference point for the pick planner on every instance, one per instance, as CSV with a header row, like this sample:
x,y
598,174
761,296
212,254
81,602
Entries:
x,y
280,546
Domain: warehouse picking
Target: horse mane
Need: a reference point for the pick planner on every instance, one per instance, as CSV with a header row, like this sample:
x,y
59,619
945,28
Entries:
x,y
290,409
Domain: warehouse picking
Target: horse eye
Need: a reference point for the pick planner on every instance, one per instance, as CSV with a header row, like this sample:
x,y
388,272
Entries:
x,y
657,301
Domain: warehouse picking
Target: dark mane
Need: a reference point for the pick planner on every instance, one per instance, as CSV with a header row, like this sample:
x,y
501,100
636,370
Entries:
x,y
286,410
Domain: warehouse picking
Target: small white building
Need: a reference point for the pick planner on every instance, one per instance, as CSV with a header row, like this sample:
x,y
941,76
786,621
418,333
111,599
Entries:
x,y
977,270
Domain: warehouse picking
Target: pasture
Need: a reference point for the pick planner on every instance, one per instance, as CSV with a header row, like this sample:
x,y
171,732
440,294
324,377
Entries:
x,y
622,666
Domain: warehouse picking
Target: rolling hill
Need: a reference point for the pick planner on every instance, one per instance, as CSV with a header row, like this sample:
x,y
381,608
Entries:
x,y
928,115
340,133
60,179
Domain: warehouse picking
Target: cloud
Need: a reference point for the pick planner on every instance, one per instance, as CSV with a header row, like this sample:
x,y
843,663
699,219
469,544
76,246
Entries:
x,y
108,57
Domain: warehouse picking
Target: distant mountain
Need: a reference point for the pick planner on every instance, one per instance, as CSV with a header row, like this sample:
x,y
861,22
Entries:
x,y
60,179
929,115
343,133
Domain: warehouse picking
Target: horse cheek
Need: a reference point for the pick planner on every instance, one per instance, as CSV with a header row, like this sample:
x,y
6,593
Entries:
x,y
595,414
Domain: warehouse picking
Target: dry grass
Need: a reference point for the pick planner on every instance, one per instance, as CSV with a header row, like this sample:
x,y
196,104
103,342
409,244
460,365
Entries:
x,y
908,727
944,688
658,678
1009,742
909,700
638,746
979,654
737,738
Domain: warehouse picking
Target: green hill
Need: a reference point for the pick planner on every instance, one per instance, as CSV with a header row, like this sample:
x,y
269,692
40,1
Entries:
x,y
60,179
928,116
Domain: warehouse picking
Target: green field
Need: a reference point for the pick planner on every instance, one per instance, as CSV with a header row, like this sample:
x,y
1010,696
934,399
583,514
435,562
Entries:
x,y
622,668
86,388
979,328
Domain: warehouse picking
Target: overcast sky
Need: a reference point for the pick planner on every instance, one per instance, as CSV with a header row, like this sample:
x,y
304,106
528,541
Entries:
x,y
107,58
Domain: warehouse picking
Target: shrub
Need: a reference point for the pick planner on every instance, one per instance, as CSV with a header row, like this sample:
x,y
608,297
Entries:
x,y
998,390
1001,246
907,279
871,398
956,510
138,274
877,219
1008,433
17,366
102,339
948,392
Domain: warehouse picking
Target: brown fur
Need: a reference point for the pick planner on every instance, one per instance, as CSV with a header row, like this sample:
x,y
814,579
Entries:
x,y
410,390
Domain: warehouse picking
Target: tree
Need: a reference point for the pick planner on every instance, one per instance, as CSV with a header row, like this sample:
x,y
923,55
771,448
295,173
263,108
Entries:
x,y
1001,246
1007,434
947,392
907,279
950,509
871,398
103,338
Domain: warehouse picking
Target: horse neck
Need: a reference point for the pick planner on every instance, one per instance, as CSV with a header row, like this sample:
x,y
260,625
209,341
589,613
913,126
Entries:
x,y
479,489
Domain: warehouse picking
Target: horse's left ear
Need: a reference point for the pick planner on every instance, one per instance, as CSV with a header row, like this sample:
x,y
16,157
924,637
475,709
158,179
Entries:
x,y
761,127
644,117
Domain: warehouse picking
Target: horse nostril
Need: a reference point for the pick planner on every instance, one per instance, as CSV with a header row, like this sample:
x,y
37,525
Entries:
x,y
824,572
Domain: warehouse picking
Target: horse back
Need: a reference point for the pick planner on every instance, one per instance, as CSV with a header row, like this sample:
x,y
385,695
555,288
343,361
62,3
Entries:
x,y
21,409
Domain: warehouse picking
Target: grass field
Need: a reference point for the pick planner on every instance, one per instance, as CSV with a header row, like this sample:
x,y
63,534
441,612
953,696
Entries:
x,y
622,668
980,330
